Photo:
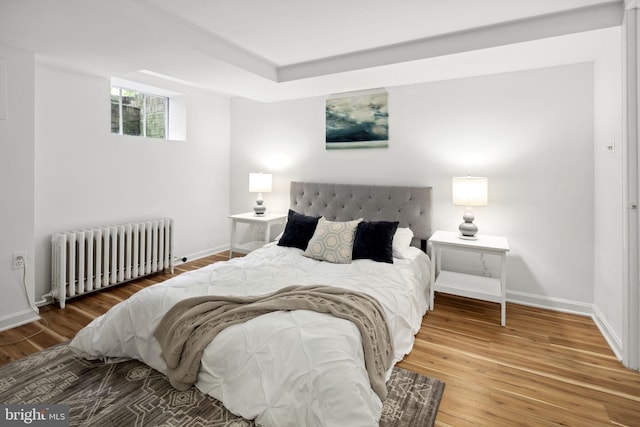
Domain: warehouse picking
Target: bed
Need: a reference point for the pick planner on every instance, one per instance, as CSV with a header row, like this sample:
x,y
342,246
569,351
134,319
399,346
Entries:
x,y
295,367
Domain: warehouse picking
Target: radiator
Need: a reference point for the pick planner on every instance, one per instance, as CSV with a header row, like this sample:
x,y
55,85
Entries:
x,y
84,261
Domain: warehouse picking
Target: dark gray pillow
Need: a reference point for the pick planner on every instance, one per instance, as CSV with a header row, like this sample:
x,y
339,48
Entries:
x,y
374,240
298,230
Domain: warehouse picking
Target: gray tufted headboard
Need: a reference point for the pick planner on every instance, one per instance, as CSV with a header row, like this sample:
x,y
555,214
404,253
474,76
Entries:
x,y
341,202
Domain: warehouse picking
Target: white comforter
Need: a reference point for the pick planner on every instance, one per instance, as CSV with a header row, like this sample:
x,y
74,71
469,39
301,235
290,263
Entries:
x,y
297,368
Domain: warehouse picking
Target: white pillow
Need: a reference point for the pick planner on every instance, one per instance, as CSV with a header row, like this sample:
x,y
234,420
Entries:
x,y
332,241
401,242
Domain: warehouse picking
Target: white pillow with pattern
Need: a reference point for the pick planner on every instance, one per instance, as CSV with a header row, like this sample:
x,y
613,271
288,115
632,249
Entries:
x,y
332,241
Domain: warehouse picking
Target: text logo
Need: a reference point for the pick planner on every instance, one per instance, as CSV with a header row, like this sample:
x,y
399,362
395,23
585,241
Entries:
x,y
34,415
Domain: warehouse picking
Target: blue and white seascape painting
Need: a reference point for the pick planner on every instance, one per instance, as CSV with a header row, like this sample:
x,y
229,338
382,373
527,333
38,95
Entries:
x,y
360,120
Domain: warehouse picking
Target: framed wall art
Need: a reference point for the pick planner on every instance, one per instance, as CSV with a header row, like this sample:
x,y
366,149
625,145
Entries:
x,y
357,120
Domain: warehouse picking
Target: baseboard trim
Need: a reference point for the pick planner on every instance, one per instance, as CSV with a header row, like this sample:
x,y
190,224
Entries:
x,y
607,332
550,303
205,253
18,319
566,306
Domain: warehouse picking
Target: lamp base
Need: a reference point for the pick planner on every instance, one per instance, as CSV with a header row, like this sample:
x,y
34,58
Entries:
x,y
259,209
460,236
468,229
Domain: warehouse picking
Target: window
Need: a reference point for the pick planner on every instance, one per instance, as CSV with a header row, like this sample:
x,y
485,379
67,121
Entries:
x,y
138,113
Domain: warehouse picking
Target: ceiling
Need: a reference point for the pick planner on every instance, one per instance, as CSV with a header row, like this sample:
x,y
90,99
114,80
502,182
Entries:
x,y
270,50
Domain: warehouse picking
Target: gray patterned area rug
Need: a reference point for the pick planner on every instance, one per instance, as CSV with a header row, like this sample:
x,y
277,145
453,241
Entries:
x,y
132,394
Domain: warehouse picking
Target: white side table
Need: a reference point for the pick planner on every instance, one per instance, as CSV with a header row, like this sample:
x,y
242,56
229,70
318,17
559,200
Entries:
x,y
266,220
468,285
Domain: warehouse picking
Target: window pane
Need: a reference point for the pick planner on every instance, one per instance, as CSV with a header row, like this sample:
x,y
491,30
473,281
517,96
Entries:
x,y
115,110
156,112
138,114
132,104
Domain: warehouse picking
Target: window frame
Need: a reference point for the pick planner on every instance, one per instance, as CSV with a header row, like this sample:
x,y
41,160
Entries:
x,y
144,94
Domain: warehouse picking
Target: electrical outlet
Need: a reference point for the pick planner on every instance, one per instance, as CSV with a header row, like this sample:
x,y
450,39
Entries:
x,y
19,259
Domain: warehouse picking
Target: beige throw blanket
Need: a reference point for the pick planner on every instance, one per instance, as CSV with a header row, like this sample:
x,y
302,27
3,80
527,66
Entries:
x,y
191,324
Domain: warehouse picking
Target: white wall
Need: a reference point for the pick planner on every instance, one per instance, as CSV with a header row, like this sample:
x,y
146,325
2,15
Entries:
x,y
530,132
608,202
86,176
17,189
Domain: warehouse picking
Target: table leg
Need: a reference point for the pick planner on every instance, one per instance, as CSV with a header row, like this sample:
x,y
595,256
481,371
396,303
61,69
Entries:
x,y
233,238
267,233
434,263
503,290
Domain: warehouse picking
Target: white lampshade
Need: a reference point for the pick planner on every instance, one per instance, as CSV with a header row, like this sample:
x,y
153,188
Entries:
x,y
259,182
469,191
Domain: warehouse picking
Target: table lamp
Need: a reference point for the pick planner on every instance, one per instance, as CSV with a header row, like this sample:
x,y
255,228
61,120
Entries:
x,y
469,191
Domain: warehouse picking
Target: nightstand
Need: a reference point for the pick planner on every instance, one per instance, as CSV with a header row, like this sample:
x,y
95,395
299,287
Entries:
x,y
467,285
267,220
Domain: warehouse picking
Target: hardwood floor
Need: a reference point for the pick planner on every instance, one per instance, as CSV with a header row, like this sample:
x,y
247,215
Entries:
x,y
543,369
